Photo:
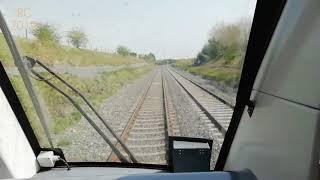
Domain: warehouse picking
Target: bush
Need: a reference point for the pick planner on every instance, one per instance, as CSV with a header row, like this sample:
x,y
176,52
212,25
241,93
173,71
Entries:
x,y
227,41
123,51
45,33
148,57
77,38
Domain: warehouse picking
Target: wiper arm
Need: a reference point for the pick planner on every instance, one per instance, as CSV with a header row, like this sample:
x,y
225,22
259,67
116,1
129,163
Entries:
x,y
32,62
24,76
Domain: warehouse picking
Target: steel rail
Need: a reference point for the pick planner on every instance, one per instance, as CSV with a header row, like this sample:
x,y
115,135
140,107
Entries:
x,y
133,119
205,89
205,111
133,116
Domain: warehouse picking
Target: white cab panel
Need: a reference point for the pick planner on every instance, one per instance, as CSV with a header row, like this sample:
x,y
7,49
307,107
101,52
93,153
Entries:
x,y
278,141
291,67
17,159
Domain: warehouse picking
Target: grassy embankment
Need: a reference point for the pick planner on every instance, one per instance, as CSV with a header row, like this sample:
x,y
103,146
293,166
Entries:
x,y
60,112
221,58
225,72
56,54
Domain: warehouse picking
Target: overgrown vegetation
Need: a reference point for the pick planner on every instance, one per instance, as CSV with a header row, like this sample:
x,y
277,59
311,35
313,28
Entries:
x,y
123,51
148,57
45,33
221,58
47,47
56,54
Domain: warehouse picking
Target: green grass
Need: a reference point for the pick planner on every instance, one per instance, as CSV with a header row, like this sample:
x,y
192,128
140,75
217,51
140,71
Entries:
x,y
184,64
226,72
224,76
63,142
56,54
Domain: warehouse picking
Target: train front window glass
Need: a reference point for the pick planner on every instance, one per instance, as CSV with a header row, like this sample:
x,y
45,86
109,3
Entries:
x,y
138,70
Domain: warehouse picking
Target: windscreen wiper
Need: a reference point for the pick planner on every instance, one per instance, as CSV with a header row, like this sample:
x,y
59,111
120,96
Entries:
x,y
30,64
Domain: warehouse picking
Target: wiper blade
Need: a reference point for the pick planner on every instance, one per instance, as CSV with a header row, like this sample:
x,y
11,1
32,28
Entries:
x,y
32,62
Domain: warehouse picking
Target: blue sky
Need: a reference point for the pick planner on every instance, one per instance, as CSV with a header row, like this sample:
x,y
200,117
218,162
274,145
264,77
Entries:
x,y
168,28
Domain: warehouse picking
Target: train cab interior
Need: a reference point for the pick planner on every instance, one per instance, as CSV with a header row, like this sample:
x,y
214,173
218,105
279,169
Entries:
x,y
274,131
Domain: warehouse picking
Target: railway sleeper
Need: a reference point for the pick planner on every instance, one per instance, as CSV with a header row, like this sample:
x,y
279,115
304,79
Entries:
x,y
149,125
138,135
146,141
148,130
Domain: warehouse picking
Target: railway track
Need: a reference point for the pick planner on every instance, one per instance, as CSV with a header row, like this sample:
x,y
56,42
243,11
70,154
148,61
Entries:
x,y
154,119
228,100
214,111
146,131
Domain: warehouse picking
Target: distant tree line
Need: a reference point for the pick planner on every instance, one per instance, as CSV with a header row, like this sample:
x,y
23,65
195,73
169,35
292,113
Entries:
x,y
225,41
46,33
124,51
165,61
148,57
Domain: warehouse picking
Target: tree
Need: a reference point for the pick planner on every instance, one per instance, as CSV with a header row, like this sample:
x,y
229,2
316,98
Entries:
x,y
225,40
45,33
149,57
77,38
123,51
133,54
228,35
200,59
212,49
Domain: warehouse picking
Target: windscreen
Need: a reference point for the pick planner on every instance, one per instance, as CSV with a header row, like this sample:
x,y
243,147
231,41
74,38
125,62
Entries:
x,y
121,76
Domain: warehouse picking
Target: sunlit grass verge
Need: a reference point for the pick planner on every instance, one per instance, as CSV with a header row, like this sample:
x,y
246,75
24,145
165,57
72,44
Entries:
x,y
219,71
60,111
56,54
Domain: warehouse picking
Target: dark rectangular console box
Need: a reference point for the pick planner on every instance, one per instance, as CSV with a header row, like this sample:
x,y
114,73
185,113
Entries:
x,y
189,154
